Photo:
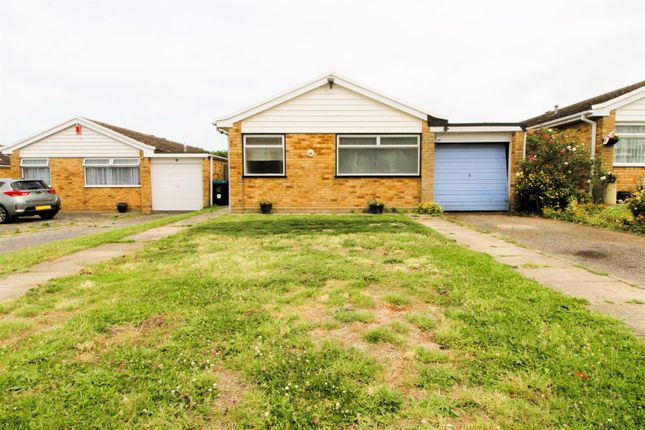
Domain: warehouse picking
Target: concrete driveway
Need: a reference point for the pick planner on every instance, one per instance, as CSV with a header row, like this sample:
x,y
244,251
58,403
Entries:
x,y
32,231
621,255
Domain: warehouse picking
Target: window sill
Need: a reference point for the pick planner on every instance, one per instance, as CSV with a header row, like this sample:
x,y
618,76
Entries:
x,y
112,186
629,164
264,176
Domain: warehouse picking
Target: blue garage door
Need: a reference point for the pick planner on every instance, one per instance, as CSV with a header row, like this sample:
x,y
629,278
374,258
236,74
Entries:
x,y
471,176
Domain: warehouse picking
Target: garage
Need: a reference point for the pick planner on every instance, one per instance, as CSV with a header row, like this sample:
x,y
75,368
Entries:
x,y
471,176
177,184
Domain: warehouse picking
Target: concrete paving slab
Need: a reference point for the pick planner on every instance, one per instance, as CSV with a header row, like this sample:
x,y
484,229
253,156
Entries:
x,y
631,314
17,284
604,293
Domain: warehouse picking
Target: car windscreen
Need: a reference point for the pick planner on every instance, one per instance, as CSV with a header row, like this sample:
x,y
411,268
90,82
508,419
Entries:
x,y
29,185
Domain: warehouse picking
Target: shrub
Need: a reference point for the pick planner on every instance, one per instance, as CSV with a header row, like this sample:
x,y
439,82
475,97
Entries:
x,y
555,169
636,204
431,208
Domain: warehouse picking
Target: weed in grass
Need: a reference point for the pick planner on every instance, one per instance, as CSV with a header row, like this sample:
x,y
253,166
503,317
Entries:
x,y
396,300
398,327
428,356
636,302
382,335
423,322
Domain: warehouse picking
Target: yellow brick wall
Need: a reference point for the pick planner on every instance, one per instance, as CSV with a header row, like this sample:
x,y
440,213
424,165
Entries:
x,y
629,177
219,169
68,178
14,169
516,152
311,184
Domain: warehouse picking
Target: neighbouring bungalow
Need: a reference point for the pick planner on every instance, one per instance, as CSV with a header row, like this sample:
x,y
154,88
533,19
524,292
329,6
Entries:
x,y
621,112
94,165
332,145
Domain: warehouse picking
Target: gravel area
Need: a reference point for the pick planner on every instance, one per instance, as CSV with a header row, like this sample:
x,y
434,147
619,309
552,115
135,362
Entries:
x,y
621,255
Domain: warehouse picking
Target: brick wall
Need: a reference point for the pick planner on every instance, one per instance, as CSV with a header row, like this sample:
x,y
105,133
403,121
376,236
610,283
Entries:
x,y
311,184
629,177
68,177
219,169
516,152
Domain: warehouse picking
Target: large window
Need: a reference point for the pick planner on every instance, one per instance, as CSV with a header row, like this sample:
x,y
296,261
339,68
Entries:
x,y
111,172
630,149
36,168
264,155
382,155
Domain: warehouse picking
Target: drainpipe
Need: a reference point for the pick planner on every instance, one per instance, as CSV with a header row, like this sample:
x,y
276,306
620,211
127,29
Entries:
x,y
210,179
584,118
524,146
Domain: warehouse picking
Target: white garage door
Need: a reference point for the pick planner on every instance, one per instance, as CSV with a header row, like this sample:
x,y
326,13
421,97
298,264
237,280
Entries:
x,y
176,184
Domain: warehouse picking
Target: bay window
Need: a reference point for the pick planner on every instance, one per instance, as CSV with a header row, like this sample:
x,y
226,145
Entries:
x,y
36,168
111,172
630,149
377,155
264,155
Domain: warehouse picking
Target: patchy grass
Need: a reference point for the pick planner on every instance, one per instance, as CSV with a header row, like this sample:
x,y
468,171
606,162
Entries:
x,y
287,322
23,259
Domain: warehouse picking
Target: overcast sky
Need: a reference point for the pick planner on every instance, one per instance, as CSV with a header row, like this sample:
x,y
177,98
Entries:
x,y
170,68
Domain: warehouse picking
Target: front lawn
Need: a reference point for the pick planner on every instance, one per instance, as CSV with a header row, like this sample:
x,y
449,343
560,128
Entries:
x,y
349,321
615,217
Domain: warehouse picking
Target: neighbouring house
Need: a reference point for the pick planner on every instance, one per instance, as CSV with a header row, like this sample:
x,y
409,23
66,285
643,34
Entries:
x,y
5,163
332,145
94,165
621,111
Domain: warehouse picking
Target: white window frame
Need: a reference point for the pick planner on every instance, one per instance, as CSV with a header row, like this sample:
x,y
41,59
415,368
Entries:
x,y
284,155
45,164
621,135
136,162
378,144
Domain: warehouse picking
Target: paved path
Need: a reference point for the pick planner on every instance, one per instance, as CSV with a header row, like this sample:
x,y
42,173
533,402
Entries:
x,y
60,232
619,254
17,284
604,293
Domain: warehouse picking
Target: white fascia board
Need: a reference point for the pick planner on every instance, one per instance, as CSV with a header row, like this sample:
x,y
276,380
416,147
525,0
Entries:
x,y
600,108
180,155
477,129
147,149
228,121
564,120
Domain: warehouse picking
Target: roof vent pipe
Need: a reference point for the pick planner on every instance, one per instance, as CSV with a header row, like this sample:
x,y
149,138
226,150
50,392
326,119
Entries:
x,y
555,109
185,148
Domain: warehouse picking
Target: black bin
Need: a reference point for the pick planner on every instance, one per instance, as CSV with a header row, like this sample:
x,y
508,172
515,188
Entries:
x,y
220,193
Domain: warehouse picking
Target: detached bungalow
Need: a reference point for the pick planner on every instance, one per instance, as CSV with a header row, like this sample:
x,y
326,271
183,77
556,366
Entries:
x,y
332,145
621,111
94,165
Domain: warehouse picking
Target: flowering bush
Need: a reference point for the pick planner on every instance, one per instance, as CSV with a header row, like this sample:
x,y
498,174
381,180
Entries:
x,y
636,204
556,168
616,217
431,208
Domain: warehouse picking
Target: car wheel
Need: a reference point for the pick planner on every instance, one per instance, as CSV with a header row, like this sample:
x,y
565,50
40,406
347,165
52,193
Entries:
x,y
4,215
48,215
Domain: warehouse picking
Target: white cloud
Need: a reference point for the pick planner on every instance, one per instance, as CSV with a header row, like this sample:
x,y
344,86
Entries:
x,y
170,67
